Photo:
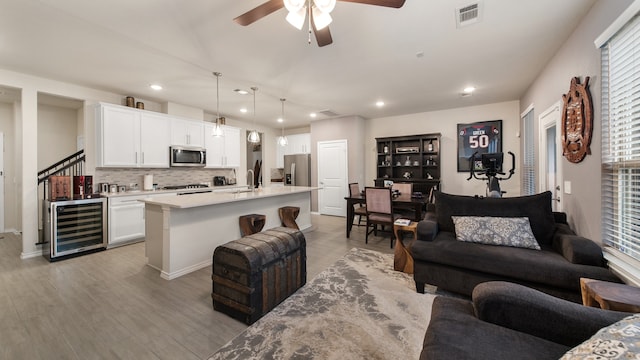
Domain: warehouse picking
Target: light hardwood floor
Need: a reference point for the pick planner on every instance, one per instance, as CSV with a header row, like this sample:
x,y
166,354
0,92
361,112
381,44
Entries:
x,y
110,305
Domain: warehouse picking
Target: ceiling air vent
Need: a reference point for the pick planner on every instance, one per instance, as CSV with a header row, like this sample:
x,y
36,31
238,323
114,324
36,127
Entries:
x,y
328,113
467,15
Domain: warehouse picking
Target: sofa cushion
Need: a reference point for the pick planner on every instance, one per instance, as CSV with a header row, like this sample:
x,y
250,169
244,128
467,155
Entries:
x,y
506,231
545,266
535,207
620,340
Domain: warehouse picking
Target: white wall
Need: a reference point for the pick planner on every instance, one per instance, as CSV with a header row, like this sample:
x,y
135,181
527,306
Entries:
x,y
57,134
7,127
445,122
579,57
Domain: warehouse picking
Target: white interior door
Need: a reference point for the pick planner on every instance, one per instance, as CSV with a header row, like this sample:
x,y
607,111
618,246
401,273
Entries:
x,y
1,182
550,168
332,177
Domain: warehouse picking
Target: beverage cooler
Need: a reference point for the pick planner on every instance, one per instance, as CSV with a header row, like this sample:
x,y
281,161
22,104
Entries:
x,y
74,226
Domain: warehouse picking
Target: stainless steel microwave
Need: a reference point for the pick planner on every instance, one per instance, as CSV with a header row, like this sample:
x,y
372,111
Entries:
x,y
187,156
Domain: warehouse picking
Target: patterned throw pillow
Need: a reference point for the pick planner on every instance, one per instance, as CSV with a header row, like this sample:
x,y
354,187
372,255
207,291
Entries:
x,y
618,341
507,231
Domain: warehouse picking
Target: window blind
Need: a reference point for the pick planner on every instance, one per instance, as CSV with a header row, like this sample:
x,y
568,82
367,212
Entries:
x,y
528,166
621,140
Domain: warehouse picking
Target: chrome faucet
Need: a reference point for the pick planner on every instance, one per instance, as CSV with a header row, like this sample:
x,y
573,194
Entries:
x,y
253,185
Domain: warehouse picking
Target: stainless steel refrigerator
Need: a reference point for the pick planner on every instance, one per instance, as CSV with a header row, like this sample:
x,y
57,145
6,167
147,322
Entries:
x,y
297,170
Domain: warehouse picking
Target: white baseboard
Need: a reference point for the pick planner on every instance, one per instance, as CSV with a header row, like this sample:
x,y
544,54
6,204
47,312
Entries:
x,y
30,255
176,274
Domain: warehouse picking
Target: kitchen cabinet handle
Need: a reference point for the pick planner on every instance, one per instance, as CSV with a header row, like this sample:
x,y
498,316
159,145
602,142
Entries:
x,y
136,159
143,158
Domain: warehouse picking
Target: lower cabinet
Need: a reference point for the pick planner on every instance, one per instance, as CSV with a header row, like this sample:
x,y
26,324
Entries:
x,y
126,219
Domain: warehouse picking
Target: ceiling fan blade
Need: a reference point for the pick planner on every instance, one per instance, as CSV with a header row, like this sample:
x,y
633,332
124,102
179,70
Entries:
x,y
259,12
323,36
387,3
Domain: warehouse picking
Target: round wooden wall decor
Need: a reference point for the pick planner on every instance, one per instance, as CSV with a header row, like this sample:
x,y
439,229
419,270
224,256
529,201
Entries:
x,y
577,121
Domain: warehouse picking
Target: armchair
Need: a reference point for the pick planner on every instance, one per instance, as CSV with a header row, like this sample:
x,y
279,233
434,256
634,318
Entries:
x,y
510,321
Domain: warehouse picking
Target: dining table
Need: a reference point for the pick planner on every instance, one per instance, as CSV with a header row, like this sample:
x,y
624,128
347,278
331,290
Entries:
x,y
403,200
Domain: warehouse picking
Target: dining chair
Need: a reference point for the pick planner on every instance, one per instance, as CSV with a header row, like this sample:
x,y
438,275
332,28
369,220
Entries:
x,y
360,210
404,188
379,210
402,211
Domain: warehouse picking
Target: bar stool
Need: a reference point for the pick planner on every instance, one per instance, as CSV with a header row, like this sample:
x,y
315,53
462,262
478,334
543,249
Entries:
x,y
251,224
288,215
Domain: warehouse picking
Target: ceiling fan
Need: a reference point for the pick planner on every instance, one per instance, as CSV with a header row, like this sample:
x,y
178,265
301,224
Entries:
x,y
316,11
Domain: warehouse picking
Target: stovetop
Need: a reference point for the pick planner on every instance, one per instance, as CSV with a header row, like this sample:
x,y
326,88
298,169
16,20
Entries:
x,y
188,186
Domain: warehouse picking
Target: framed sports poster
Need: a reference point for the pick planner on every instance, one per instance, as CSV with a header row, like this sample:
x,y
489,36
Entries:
x,y
482,137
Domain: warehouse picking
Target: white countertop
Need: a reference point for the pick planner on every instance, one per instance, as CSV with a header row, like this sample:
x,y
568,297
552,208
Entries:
x,y
214,198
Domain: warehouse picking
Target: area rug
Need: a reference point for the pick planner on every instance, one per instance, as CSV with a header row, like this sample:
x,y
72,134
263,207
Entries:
x,y
359,308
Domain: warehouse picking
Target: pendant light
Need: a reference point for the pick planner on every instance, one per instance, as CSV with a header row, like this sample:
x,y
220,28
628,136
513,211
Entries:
x,y
217,129
282,140
254,137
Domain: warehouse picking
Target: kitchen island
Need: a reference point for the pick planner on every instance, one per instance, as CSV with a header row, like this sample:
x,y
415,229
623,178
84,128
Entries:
x,y
183,230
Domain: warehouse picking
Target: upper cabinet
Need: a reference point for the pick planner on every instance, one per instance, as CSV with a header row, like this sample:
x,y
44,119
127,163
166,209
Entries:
x,y
224,151
187,132
298,144
131,138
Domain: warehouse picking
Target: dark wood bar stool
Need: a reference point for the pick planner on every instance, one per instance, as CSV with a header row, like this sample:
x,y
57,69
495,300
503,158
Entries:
x,y
251,224
288,215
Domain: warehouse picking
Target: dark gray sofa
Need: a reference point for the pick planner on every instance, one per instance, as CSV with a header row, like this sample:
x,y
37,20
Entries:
x,y
509,321
556,269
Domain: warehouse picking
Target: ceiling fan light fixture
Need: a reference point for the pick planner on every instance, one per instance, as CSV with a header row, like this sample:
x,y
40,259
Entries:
x,y
326,6
296,18
294,5
321,19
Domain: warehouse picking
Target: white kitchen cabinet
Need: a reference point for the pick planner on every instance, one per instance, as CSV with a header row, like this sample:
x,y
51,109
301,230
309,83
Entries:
x,y
126,218
224,151
298,144
118,136
155,140
280,152
187,132
128,137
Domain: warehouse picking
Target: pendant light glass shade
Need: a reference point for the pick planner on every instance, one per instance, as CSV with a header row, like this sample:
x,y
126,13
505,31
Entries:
x,y
254,136
282,140
217,129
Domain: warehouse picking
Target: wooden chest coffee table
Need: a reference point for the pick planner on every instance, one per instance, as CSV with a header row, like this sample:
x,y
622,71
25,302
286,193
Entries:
x,y
610,296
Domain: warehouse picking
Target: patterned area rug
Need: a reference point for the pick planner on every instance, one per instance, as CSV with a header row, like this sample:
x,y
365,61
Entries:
x,y
359,308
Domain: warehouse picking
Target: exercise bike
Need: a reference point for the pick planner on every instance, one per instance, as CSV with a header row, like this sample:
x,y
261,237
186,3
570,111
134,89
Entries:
x,y
491,168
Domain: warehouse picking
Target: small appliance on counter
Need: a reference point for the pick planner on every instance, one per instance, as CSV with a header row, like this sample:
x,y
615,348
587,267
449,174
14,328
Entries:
x,y
219,181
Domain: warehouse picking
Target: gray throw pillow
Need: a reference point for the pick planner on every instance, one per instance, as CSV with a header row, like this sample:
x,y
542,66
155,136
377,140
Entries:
x,y
505,231
618,341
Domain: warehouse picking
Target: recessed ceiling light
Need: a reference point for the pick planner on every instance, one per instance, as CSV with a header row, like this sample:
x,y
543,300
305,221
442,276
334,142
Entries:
x,y
243,110
313,115
280,120
380,103
156,87
469,90
241,92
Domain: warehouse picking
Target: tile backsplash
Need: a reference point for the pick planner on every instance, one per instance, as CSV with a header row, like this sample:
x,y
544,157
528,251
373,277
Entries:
x,y
162,177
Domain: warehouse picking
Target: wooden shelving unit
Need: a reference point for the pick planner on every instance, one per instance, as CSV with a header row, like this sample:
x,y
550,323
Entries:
x,y
414,158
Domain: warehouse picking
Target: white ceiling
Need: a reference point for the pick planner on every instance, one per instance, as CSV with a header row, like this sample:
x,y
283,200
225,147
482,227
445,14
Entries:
x,y
123,46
